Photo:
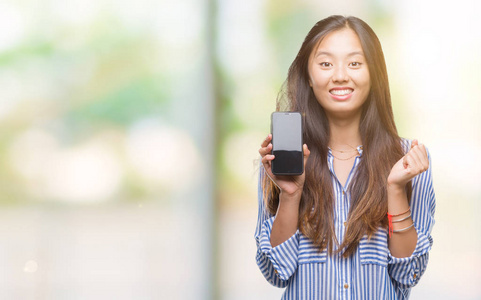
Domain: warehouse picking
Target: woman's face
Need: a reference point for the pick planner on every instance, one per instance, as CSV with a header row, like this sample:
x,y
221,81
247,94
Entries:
x,y
339,75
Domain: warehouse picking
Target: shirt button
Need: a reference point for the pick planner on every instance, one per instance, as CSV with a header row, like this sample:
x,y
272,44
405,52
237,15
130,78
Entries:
x,y
346,286
276,271
343,192
345,223
414,276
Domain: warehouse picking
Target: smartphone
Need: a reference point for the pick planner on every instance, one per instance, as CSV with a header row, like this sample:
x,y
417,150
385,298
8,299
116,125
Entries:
x,y
286,129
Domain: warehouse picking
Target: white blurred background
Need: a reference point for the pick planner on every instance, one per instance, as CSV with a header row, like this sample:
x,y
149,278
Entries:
x,y
129,132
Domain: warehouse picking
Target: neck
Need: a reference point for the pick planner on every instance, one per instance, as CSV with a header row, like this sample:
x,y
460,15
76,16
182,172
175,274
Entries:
x,y
344,132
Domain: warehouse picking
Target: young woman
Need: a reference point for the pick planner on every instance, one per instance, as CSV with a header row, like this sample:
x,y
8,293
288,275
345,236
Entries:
x,y
357,223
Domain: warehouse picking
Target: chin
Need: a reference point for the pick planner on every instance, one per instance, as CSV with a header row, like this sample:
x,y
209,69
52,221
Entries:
x,y
344,113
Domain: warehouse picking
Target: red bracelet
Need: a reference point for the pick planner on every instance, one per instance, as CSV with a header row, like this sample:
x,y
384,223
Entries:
x,y
389,217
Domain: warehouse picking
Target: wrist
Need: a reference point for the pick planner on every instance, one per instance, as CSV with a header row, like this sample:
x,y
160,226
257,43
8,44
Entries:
x,y
290,197
397,199
395,187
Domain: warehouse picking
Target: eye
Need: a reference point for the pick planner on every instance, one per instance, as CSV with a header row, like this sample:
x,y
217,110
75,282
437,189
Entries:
x,y
325,64
355,64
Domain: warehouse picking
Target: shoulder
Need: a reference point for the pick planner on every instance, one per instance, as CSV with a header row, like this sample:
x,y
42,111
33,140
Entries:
x,y
406,144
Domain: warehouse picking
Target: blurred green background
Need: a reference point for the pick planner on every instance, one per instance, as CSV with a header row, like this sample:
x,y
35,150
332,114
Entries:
x,y
129,133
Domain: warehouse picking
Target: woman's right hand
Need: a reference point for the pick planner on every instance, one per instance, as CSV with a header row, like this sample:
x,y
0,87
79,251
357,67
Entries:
x,y
291,185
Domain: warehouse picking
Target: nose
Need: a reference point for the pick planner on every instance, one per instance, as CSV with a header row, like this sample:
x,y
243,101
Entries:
x,y
340,74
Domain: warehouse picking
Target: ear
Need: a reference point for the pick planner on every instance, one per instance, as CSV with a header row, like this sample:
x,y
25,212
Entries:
x,y
309,78
310,81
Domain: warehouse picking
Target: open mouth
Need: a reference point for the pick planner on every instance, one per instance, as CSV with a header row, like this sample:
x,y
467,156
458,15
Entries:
x,y
341,92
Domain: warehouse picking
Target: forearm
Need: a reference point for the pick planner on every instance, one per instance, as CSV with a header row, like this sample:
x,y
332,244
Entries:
x,y
401,244
286,221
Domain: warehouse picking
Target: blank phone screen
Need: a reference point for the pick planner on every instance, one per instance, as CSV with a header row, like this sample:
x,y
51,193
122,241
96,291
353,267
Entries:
x,y
287,143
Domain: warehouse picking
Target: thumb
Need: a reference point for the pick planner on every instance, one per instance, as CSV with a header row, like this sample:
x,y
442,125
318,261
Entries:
x,y
414,143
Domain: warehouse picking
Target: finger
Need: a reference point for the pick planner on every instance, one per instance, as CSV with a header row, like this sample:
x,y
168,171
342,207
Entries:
x,y
265,150
423,156
423,150
405,162
307,153
408,162
420,151
416,158
417,166
266,159
414,143
266,141
266,162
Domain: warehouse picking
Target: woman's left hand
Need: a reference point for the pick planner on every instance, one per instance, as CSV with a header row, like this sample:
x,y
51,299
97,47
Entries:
x,y
413,163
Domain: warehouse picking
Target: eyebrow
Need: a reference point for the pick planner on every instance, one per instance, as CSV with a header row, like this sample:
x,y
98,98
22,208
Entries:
x,y
330,54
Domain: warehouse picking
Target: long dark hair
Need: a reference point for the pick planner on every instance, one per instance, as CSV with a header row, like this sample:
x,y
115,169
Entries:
x,y
381,145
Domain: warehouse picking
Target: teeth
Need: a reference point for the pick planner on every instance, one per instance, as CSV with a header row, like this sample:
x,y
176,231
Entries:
x,y
341,92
